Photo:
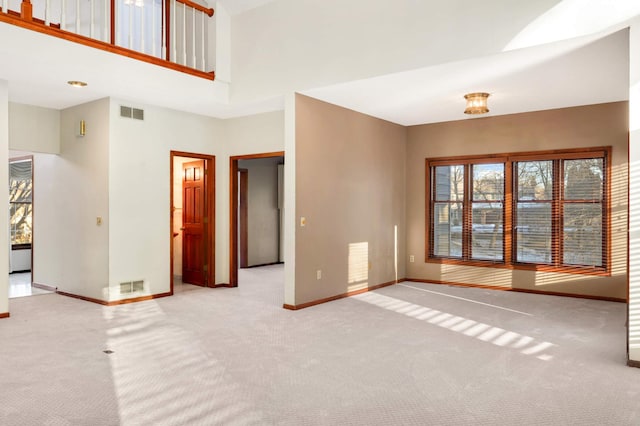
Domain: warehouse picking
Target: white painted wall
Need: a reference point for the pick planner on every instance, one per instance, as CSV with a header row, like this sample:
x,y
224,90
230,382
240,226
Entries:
x,y
299,44
4,192
71,190
20,260
255,134
222,45
139,191
120,171
263,215
33,128
634,194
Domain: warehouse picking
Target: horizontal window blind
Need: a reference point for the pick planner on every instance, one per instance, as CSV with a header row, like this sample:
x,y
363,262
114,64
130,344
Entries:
x,y
546,210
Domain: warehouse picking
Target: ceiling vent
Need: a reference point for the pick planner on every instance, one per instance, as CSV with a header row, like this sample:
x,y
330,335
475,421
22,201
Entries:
x,y
129,112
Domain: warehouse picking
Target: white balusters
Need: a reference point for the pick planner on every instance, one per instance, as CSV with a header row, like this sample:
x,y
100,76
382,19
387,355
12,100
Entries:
x,y
184,34
153,28
193,37
203,40
164,30
169,29
142,35
63,15
173,30
131,11
77,16
47,11
106,29
91,24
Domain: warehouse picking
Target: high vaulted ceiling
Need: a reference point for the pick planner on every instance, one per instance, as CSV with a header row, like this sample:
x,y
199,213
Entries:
x,y
579,71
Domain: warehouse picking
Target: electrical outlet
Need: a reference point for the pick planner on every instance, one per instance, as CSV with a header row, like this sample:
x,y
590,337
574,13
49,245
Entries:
x,y
318,274
412,258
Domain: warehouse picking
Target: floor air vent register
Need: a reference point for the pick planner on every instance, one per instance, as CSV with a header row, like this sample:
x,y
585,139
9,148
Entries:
x,y
131,286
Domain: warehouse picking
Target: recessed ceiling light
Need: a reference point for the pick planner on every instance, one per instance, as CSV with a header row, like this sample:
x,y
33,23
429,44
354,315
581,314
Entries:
x,y
76,83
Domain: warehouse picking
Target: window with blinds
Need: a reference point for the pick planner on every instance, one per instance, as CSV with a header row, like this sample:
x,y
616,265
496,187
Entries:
x,y
525,210
20,202
533,211
447,210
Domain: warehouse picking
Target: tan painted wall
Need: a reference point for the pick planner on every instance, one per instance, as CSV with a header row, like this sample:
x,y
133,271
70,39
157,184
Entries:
x,y
350,187
579,127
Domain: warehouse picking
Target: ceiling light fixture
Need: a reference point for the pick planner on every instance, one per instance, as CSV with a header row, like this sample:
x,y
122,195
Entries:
x,y
476,103
76,83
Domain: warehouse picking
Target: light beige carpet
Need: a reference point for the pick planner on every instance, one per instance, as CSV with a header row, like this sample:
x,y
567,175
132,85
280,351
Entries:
x,y
410,354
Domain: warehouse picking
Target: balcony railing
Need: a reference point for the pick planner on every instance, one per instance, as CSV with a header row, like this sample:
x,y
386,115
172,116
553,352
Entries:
x,y
172,33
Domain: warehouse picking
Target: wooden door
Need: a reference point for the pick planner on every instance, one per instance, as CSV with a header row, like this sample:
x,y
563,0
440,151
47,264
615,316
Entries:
x,y
194,267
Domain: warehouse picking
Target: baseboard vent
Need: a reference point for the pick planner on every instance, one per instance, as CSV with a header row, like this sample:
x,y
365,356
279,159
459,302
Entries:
x,y
129,112
131,287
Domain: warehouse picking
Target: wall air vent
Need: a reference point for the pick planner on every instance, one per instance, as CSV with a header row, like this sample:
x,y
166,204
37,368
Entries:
x,y
129,112
131,286
125,111
137,114
137,285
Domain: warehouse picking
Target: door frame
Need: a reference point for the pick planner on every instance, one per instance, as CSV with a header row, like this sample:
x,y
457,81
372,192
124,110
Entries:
x,y
233,210
210,215
244,217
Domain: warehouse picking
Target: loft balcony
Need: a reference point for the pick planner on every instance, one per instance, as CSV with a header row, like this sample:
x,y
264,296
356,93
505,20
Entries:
x,y
170,33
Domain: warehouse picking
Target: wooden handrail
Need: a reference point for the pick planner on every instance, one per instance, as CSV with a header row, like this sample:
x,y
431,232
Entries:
x,y
208,11
34,19
87,41
25,19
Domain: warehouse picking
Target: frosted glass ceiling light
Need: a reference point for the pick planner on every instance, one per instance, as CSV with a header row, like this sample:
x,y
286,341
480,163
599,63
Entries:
x,y
476,103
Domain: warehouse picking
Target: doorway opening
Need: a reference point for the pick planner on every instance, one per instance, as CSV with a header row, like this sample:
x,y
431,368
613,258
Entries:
x,y
192,222
256,211
21,227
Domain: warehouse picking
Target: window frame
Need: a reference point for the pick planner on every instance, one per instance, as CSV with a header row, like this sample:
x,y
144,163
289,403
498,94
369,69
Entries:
x,y
510,204
21,246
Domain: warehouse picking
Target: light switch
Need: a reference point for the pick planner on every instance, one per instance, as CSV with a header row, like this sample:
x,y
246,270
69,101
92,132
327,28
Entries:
x,y
303,221
98,220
